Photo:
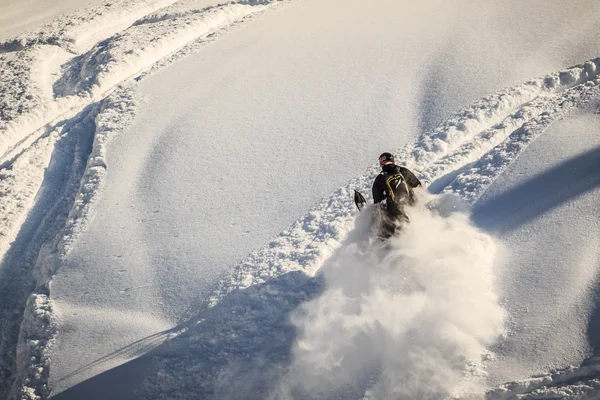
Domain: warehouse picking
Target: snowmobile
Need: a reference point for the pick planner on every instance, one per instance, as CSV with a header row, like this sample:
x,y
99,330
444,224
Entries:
x,y
388,215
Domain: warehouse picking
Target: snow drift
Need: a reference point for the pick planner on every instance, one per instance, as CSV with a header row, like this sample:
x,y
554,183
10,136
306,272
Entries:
x,y
404,319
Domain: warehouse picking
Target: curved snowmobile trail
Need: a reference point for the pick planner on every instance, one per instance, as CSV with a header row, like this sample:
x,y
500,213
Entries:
x,y
69,89
445,157
322,310
75,63
310,274
231,337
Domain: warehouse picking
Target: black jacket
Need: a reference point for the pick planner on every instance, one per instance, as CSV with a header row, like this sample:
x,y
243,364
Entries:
x,y
388,178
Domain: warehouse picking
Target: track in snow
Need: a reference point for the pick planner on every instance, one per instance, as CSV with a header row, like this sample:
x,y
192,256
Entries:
x,y
244,325
67,89
36,238
240,340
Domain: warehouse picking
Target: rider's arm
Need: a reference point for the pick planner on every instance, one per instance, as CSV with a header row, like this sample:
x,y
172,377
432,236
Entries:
x,y
378,191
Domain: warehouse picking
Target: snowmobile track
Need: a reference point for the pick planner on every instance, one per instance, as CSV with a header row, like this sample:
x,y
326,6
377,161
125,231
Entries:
x,y
107,57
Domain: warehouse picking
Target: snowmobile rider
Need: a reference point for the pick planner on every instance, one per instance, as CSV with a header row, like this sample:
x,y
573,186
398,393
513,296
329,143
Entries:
x,y
389,184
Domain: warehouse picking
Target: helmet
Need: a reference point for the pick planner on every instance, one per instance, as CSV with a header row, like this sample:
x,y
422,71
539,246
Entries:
x,y
386,158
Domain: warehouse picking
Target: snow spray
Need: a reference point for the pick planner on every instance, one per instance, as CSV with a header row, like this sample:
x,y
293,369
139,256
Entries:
x,y
410,318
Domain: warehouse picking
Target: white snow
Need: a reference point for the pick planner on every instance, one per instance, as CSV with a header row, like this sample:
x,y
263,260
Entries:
x,y
553,257
402,317
155,155
18,15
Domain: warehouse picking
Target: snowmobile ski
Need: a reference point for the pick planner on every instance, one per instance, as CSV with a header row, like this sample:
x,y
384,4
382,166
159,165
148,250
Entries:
x,y
359,200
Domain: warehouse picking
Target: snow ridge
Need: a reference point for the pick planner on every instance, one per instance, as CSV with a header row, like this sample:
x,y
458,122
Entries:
x,y
34,59
311,239
25,321
48,119
96,57
578,383
141,45
80,30
23,111
438,156
471,184
37,331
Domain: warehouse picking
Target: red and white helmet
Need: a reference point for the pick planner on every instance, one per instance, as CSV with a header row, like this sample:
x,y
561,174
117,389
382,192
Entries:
x,y
386,158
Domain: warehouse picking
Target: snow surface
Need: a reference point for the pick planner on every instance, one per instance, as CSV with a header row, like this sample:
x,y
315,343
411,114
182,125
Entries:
x,y
138,200
18,15
559,198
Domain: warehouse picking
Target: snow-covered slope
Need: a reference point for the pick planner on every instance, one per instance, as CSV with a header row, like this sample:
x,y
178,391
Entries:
x,y
160,181
64,114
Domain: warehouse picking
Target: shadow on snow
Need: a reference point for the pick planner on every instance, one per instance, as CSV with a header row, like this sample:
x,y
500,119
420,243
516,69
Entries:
x,y
539,195
239,348
46,218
